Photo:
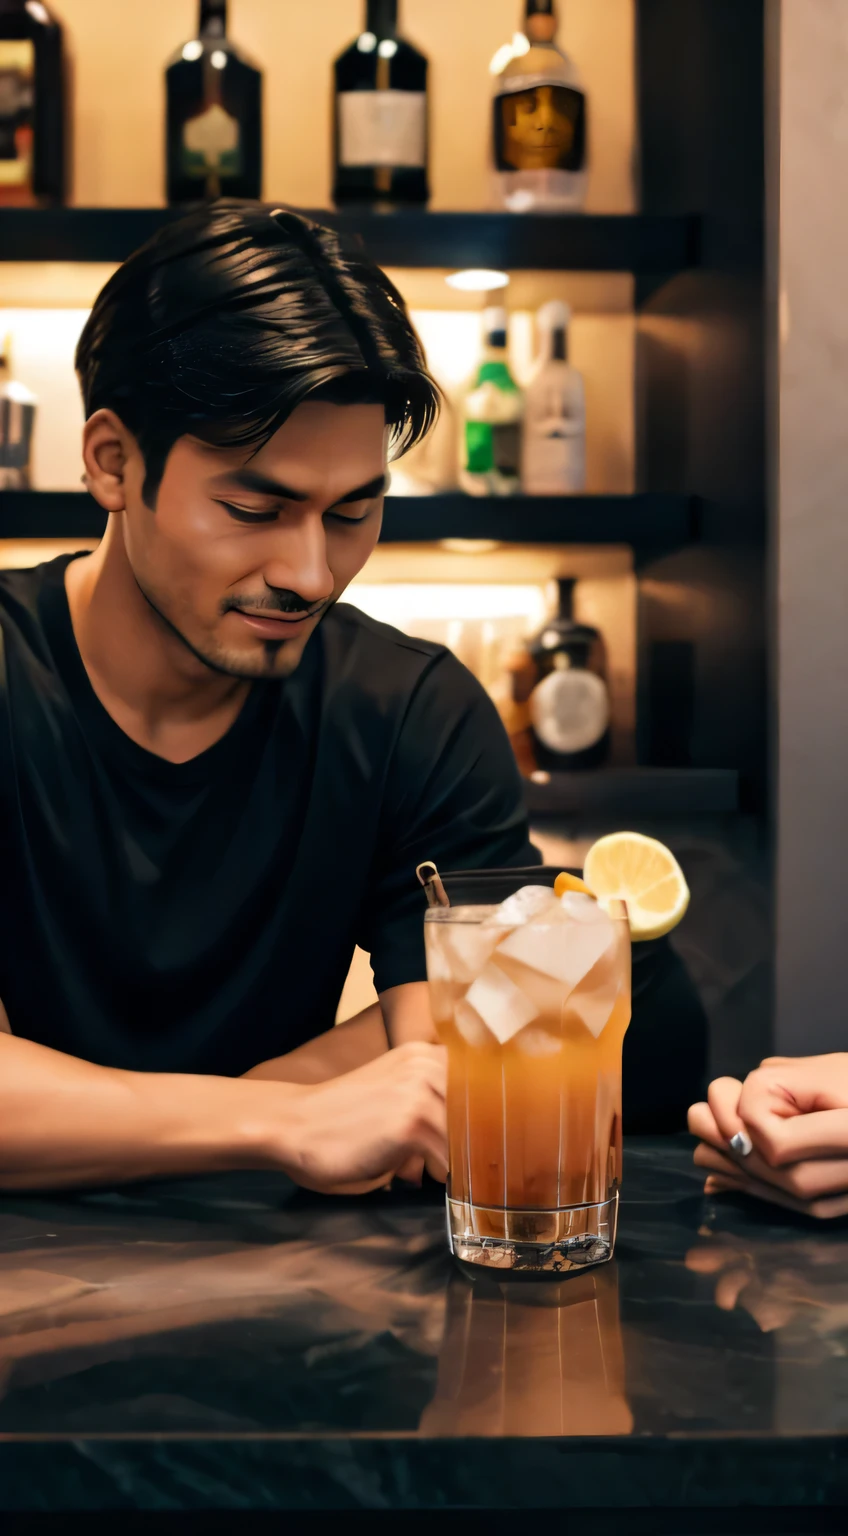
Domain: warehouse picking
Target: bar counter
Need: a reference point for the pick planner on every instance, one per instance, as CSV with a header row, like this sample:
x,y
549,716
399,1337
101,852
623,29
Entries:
x,y
230,1344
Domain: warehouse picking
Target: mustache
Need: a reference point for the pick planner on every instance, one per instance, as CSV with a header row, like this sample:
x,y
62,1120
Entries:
x,y
274,602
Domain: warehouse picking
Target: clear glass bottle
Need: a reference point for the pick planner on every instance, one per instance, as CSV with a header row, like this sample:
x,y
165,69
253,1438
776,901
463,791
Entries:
x,y
553,450
491,411
539,120
33,149
214,124
17,421
380,114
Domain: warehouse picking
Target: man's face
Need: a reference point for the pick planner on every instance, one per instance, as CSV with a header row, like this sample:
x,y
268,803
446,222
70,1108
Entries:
x,y
244,554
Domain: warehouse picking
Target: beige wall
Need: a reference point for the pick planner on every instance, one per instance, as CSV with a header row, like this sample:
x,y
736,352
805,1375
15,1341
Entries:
x,y
810,263
120,50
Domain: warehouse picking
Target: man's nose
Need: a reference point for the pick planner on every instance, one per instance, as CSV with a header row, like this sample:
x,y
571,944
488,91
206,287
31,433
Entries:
x,y
298,560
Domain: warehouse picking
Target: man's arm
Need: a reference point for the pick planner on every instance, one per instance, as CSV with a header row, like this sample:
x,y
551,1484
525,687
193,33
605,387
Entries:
x,y
402,1015
341,1049
66,1122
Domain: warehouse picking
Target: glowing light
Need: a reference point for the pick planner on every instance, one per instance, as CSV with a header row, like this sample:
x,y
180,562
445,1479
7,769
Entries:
x,y
500,59
193,50
218,59
477,280
366,42
38,11
520,44
401,603
388,48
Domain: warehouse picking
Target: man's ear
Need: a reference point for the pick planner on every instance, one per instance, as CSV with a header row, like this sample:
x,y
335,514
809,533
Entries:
x,y
106,450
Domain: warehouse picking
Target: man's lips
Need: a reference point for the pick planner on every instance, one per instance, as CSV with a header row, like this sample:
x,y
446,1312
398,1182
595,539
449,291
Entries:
x,y
276,626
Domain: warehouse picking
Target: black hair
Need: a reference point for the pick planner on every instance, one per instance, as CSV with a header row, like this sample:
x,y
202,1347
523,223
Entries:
x,y
228,318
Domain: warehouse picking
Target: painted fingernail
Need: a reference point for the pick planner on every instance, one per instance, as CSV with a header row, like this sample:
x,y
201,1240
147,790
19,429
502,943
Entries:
x,y
742,1144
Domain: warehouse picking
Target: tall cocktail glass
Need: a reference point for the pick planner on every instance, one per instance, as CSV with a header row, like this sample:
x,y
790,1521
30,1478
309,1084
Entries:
x,y
531,996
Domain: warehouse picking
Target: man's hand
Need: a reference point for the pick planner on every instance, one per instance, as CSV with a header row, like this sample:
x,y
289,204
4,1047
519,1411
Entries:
x,y
794,1112
357,1131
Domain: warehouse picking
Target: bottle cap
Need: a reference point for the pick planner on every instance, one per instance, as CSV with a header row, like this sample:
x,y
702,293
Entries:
x,y
495,318
554,316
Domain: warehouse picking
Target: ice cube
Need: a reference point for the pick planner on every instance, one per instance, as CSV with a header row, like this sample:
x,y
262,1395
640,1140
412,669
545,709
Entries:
x,y
502,1006
565,951
582,908
521,907
469,1024
538,1042
466,947
593,1000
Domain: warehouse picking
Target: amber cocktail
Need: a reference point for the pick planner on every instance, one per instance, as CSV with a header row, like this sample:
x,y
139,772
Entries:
x,y
532,999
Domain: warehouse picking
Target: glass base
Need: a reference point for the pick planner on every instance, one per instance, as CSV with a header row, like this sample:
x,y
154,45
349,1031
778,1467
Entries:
x,y
532,1243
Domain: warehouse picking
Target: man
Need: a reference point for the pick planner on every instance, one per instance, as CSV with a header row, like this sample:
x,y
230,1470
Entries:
x,y
214,782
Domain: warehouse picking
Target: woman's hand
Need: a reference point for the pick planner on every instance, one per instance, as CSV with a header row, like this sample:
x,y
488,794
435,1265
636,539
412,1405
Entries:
x,y
794,1114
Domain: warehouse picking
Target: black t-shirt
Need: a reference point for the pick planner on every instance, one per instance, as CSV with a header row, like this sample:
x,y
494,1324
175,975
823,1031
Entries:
x,y
201,916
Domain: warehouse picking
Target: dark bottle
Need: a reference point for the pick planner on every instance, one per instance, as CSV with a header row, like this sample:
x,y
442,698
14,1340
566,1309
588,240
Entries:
x,y
214,129
32,105
380,106
569,705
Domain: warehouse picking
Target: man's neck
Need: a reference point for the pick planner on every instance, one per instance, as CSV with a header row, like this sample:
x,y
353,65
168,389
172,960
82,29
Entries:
x,y
161,695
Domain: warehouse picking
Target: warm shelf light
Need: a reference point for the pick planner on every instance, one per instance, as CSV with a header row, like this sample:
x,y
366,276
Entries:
x,y
477,280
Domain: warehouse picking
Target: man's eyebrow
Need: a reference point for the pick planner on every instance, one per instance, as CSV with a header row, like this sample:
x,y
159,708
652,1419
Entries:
x,y
376,487
263,485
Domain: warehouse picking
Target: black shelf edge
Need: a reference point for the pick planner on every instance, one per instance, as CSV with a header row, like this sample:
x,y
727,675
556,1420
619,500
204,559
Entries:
x,y
655,793
644,522
645,244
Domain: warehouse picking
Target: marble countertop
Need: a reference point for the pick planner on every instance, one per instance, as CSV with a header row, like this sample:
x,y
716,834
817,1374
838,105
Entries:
x,y
232,1344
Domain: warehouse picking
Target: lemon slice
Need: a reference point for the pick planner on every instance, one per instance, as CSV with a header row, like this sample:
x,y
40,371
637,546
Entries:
x,y
566,882
644,874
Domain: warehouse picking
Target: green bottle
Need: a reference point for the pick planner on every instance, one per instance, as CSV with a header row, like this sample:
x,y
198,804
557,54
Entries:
x,y
492,411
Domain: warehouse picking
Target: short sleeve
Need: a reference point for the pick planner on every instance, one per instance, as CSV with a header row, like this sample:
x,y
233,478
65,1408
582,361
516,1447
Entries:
x,y
453,795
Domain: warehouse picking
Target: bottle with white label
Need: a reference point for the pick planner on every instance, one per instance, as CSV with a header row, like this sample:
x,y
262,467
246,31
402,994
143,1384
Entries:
x,y
214,115
490,459
570,703
553,456
380,90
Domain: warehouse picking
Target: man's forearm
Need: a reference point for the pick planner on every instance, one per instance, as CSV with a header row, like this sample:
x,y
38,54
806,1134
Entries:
x,y
66,1122
342,1049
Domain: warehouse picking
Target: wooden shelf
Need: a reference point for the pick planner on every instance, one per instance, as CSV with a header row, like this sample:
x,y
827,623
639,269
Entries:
x,y
645,523
645,244
653,793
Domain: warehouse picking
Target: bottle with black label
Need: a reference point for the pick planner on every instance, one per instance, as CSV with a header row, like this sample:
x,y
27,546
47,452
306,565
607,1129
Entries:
x,y
380,103
214,128
33,149
569,705
490,448
539,119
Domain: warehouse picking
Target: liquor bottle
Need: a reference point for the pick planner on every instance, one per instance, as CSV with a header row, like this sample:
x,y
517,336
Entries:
x,y
380,137
32,105
214,123
492,410
569,706
553,459
539,120
17,419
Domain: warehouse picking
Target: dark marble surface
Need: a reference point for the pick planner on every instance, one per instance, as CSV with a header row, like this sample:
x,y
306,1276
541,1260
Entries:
x,y
232,1345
